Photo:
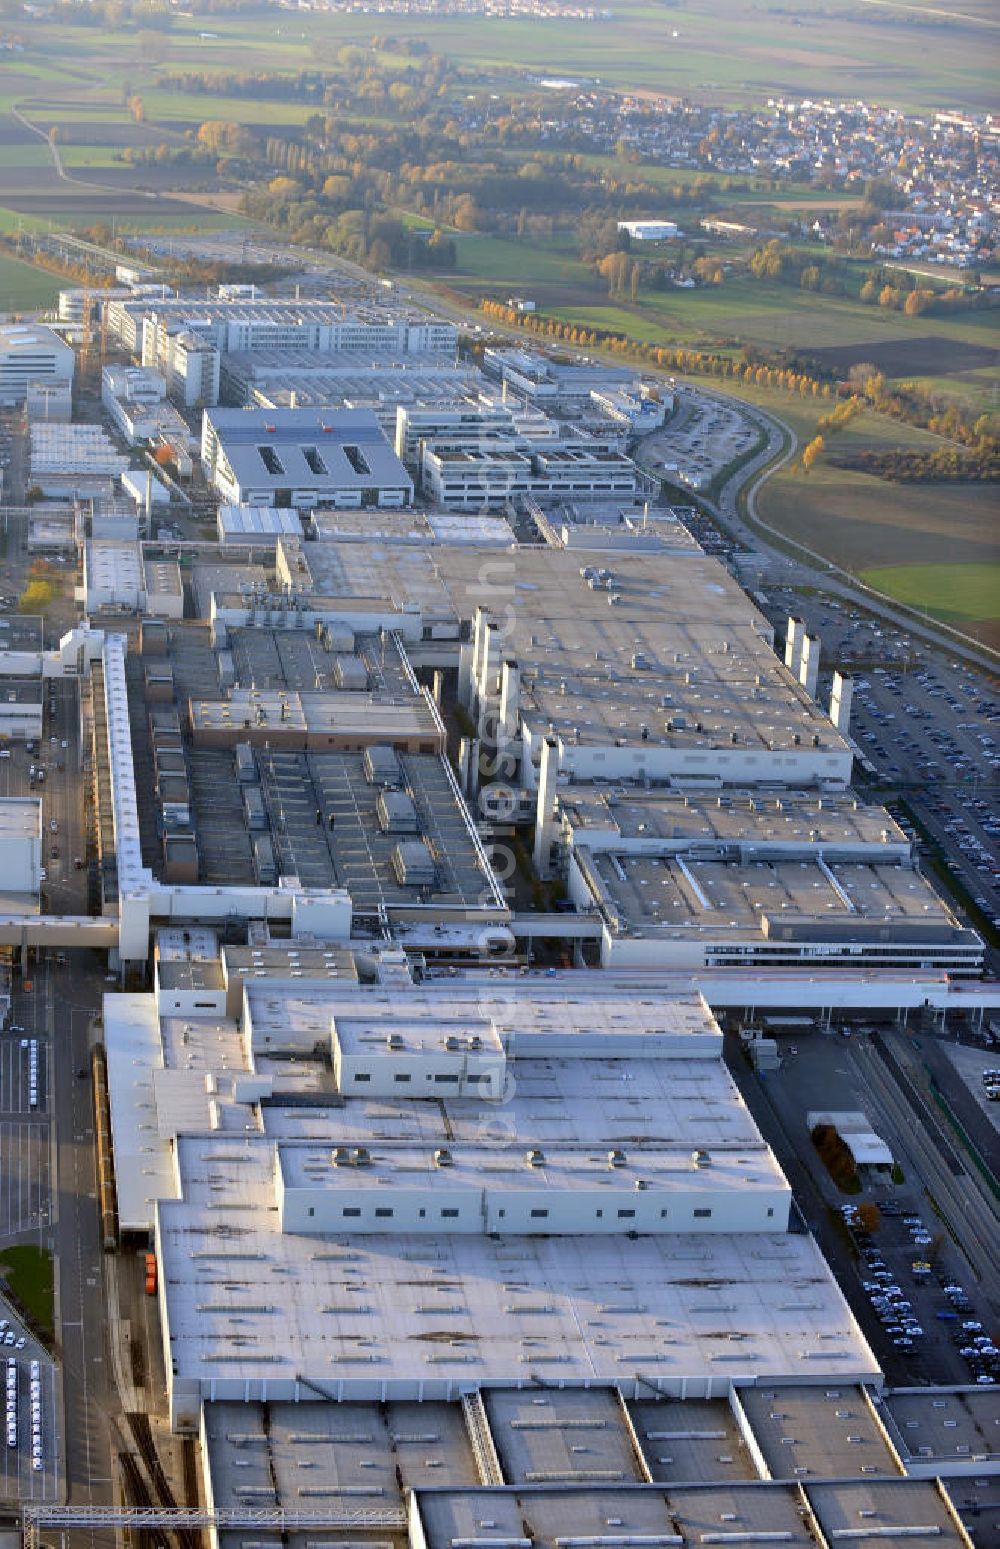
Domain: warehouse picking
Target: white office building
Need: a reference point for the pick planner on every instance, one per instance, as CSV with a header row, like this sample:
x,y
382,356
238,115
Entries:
x,y
31,353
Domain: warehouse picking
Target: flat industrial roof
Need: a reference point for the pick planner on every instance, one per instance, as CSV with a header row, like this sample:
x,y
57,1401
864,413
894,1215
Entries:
x,y
307,448
752,820
676,896
261,365
892,1512
331,712
291,1454
659,1169
561,1437
113,564
161,576
683,644
20,817
566,1307
177,974
556,1102
824,1432
690,1441
237,522
535,1018
21,632
416,1036
351,849
946,1427
143,1165
597,1511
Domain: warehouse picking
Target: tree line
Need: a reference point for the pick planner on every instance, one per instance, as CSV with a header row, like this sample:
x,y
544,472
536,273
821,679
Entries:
x,y
687,362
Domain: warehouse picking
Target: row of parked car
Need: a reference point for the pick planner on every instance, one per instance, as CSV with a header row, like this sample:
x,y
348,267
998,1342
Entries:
x,y
970,1338
890,1303
895,1311
32,1071
12,1403
991,1084
37,1455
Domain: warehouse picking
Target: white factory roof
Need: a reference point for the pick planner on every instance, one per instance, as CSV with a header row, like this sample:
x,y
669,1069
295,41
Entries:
x,y
29,338
113,566
534,1018
358,1313
554,1102
357,1035
411,527
20,817
752,820
577,1080
678,897
237,522
563,1168
76,448
143,1163
132,875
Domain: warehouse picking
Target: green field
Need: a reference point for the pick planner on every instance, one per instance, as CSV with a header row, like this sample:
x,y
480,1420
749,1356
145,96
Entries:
x,y
168,107
868,525
837,52
495,261
25,288
767,313
958,594
891,56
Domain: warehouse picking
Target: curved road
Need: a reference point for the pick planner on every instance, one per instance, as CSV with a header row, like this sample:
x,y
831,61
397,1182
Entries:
x,y
814,569
780,448
67,177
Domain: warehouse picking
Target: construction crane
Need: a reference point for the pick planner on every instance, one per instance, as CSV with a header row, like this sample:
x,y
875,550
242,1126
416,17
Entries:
x,y
87,334
175,1519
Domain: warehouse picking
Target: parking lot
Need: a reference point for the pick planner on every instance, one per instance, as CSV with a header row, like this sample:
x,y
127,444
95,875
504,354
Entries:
x,y
24,1132
29,1461
927,728
825,1071
705,437
28,1468
920,1306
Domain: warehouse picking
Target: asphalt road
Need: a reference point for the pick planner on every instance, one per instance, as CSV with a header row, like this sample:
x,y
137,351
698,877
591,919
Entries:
x,y
88,1393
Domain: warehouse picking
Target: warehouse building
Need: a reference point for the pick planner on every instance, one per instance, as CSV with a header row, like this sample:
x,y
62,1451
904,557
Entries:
x,y
20,844
247,524
302,458
74,460
583,1187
